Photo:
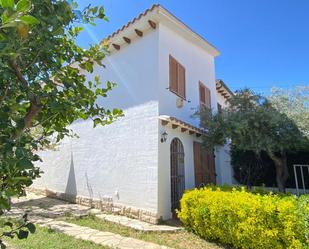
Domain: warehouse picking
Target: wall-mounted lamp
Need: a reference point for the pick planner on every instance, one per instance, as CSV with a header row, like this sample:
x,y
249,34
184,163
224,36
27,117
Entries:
x,y
163,137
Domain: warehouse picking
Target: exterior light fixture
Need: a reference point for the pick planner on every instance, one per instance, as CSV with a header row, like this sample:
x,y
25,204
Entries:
x,y
163,137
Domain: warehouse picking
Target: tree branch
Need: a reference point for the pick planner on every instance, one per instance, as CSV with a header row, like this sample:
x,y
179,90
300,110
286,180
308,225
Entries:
x,y
35,106
34,109
19,75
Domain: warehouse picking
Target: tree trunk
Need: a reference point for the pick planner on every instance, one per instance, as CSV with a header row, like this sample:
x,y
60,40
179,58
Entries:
x,y
282,173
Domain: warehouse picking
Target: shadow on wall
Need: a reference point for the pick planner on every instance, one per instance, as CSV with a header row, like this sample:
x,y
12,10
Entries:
x,y
71,183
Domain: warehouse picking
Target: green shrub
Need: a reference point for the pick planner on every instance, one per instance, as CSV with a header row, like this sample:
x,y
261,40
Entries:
x,y
247,220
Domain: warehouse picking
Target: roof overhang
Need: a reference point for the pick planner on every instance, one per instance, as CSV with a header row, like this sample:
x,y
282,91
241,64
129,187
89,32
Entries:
x,y
149,20
223,89
184,127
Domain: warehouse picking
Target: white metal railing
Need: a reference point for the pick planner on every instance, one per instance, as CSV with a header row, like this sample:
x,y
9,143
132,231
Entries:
x,y
302,168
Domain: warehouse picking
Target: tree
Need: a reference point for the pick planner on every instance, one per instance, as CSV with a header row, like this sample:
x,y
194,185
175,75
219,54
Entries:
x,y
295,104
43,84
251,123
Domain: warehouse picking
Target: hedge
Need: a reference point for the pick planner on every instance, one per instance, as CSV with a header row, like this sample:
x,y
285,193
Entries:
x,y
247,220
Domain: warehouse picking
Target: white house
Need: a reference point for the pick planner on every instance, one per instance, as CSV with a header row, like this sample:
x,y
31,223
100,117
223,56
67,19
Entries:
x,y
141,164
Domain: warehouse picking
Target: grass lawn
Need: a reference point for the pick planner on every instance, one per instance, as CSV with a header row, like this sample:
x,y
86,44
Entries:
x,y
43,238
177,240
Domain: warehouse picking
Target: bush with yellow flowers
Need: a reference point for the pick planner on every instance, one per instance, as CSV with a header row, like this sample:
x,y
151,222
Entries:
x,y
247,220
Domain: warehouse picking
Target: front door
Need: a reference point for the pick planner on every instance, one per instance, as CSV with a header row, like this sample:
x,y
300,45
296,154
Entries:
x,y
177,172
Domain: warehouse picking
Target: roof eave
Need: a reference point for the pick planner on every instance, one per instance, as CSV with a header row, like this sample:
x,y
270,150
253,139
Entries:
x,y
188,32
158,14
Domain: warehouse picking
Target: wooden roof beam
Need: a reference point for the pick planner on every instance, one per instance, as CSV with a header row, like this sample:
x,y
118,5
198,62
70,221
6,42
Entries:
x,y
127,40
138,32
152,24
191,132
164,122
116,46
184,129
174,126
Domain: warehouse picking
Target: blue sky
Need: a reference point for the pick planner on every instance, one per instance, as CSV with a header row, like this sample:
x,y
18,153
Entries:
x,y
263,43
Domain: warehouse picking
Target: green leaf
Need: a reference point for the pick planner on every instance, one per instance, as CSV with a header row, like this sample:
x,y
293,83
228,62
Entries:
x,y
31,227
101,12
2,37
9,224
25,164
96,122
116,112
22,234
4,204
23,5
4,17
29,20
20,178
7,3
20,152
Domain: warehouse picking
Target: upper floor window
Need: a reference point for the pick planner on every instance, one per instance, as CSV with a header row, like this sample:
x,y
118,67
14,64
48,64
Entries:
x,y
177,78
205,97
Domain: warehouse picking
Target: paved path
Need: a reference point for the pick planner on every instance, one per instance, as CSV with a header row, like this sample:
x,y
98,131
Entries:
x,y
43,211
137,224
39,205
102,238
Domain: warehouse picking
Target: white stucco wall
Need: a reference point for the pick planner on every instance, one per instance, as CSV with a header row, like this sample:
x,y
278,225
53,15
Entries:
x,y
225,174
199,66
134,68
119,160
164,189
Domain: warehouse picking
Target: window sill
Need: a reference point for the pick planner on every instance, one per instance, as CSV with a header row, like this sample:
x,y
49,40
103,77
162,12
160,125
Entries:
x,y
184,98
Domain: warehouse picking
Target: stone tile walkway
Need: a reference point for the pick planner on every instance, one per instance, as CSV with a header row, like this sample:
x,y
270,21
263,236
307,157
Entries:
x,y
102,238
137,224
46,207
43,211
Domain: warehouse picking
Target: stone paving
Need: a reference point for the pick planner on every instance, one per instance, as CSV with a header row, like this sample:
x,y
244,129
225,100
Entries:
x,y
137,224
46,207
43,211
102,238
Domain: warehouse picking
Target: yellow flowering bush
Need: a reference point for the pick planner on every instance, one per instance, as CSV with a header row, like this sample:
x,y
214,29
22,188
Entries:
x,y
247,220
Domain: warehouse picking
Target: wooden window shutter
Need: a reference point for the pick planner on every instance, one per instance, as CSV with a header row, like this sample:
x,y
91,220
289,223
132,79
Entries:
x,y
173,74
207,97
202,93
177,75
181,81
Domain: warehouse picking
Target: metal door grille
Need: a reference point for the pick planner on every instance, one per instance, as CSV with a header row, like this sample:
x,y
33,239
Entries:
x,y
177,172
303,177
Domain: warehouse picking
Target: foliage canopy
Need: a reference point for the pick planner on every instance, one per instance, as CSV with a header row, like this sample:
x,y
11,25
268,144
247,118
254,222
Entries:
x,y
252,123
43,83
